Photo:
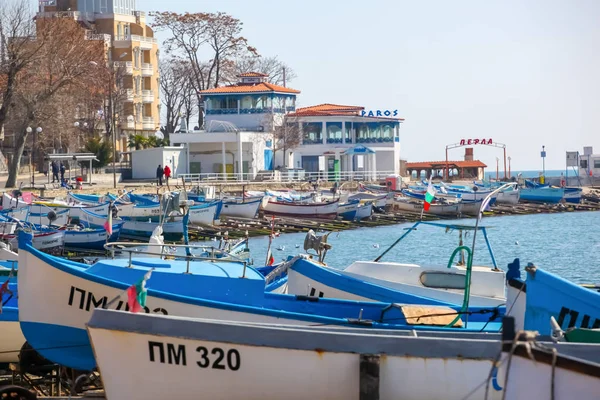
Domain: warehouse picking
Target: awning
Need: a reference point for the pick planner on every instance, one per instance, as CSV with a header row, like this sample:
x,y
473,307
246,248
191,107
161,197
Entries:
x,y
71,156
360,149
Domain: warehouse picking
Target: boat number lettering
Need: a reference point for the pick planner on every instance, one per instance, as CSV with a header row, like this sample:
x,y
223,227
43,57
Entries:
x,y
86,300
572,316
176,354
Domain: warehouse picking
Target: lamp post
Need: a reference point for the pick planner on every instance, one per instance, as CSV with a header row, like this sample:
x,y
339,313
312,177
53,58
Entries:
x,y
38,130
509,174
543,154
497,169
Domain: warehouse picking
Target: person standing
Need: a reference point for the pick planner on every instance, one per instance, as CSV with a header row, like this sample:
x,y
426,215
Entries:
x,y
62,172
54,167
167,171
159,174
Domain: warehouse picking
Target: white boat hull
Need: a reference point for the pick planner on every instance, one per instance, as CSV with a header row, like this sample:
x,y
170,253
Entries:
x,y
76,212
301,210
508,197
263,372
41,217
12,341
435,209
248,209
203,215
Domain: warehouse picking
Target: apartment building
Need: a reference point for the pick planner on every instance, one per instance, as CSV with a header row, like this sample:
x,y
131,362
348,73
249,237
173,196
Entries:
x,y
132,50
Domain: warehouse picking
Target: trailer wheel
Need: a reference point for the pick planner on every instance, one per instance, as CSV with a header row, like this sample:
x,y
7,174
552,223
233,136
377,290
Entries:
x,y
13,392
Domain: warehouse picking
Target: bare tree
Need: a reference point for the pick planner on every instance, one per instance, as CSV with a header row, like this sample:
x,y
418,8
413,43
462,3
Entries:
x,y
174,84
65,64
277,71
208,41
17,50
286,137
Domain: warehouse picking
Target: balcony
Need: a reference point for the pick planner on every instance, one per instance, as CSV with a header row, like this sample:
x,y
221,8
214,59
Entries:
x,y
127,124
124,41
148,96
106,38
147,69
128,95
125,66
148,124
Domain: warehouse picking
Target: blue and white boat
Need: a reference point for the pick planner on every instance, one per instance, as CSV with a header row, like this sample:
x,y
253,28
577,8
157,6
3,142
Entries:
x,y
348,210
573,195
543,295
241,207
388,281
60,216
91,238
56,298
133,229
95,221
542,195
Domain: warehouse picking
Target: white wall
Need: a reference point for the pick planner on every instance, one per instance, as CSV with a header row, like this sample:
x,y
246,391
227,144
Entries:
x,y
242,121
145,162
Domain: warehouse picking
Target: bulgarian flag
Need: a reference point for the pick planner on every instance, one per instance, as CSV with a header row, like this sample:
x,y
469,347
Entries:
x,y
136,294
270,258
429,195
108,224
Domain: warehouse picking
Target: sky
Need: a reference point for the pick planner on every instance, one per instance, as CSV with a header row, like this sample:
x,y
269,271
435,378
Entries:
x,y
522,73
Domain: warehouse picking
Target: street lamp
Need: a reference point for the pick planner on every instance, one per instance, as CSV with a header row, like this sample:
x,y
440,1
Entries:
x,y
38,130
543,154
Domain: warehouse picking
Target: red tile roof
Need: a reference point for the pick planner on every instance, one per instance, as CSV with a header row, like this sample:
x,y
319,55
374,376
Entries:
x,y
252,75
333,110
263,87
442,164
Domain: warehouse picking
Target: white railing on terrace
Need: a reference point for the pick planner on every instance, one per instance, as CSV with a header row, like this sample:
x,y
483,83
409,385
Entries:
x,y
148,120
291,176
70,14
124,64
135,38
98,36
148,94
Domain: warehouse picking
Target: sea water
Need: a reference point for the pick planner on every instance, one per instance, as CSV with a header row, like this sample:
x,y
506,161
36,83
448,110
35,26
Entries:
x,y
567,244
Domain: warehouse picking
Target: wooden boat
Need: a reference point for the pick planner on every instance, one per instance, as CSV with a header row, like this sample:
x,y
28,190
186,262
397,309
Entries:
x,y
573,195
348,210
395,282
326,210
470,207
379,200
20,214
41,218
542,195
263,363
49,241
91,238
509,197
243,208
415,206
173,231
215,289
364,210
543,295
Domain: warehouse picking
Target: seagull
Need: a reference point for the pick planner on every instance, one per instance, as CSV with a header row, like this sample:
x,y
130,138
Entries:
x,y
297,246
517,242
281,248
376,246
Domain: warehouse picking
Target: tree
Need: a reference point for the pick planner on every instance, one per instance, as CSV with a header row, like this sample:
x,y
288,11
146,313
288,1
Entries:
x,y
175,85
102,149
286,137
64,63
153,141
277,71
208,41
137,142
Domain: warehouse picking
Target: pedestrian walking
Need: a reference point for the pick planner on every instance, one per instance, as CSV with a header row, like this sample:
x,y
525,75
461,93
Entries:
x,y
55,169
167,172
159,174
62,172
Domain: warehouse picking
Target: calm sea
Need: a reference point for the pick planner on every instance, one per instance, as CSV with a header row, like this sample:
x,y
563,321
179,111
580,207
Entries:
x,y
553,173
567,244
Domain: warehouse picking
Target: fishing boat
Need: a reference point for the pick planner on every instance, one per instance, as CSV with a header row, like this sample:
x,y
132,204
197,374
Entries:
x,y
509,196
364,211
76,212
90,199
347,211
214,289
10,202
91,238
241,207
173,231
543,296
49,216
261,361
378,200
205,213
470,207
91,220
50,241
573,195
326,210
542,195
397,282
416,206
20,214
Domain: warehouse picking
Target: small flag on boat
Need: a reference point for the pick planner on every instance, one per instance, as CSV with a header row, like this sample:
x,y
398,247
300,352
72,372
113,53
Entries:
x,y
136,294
429,195
108,223
270,258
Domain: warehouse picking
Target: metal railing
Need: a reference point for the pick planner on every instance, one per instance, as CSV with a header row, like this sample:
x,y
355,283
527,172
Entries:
x,y
287,176
135,38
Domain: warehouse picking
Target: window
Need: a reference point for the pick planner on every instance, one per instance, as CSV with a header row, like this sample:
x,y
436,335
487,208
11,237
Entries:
x,y
312,133
348,132
334,132
583,164
596,163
